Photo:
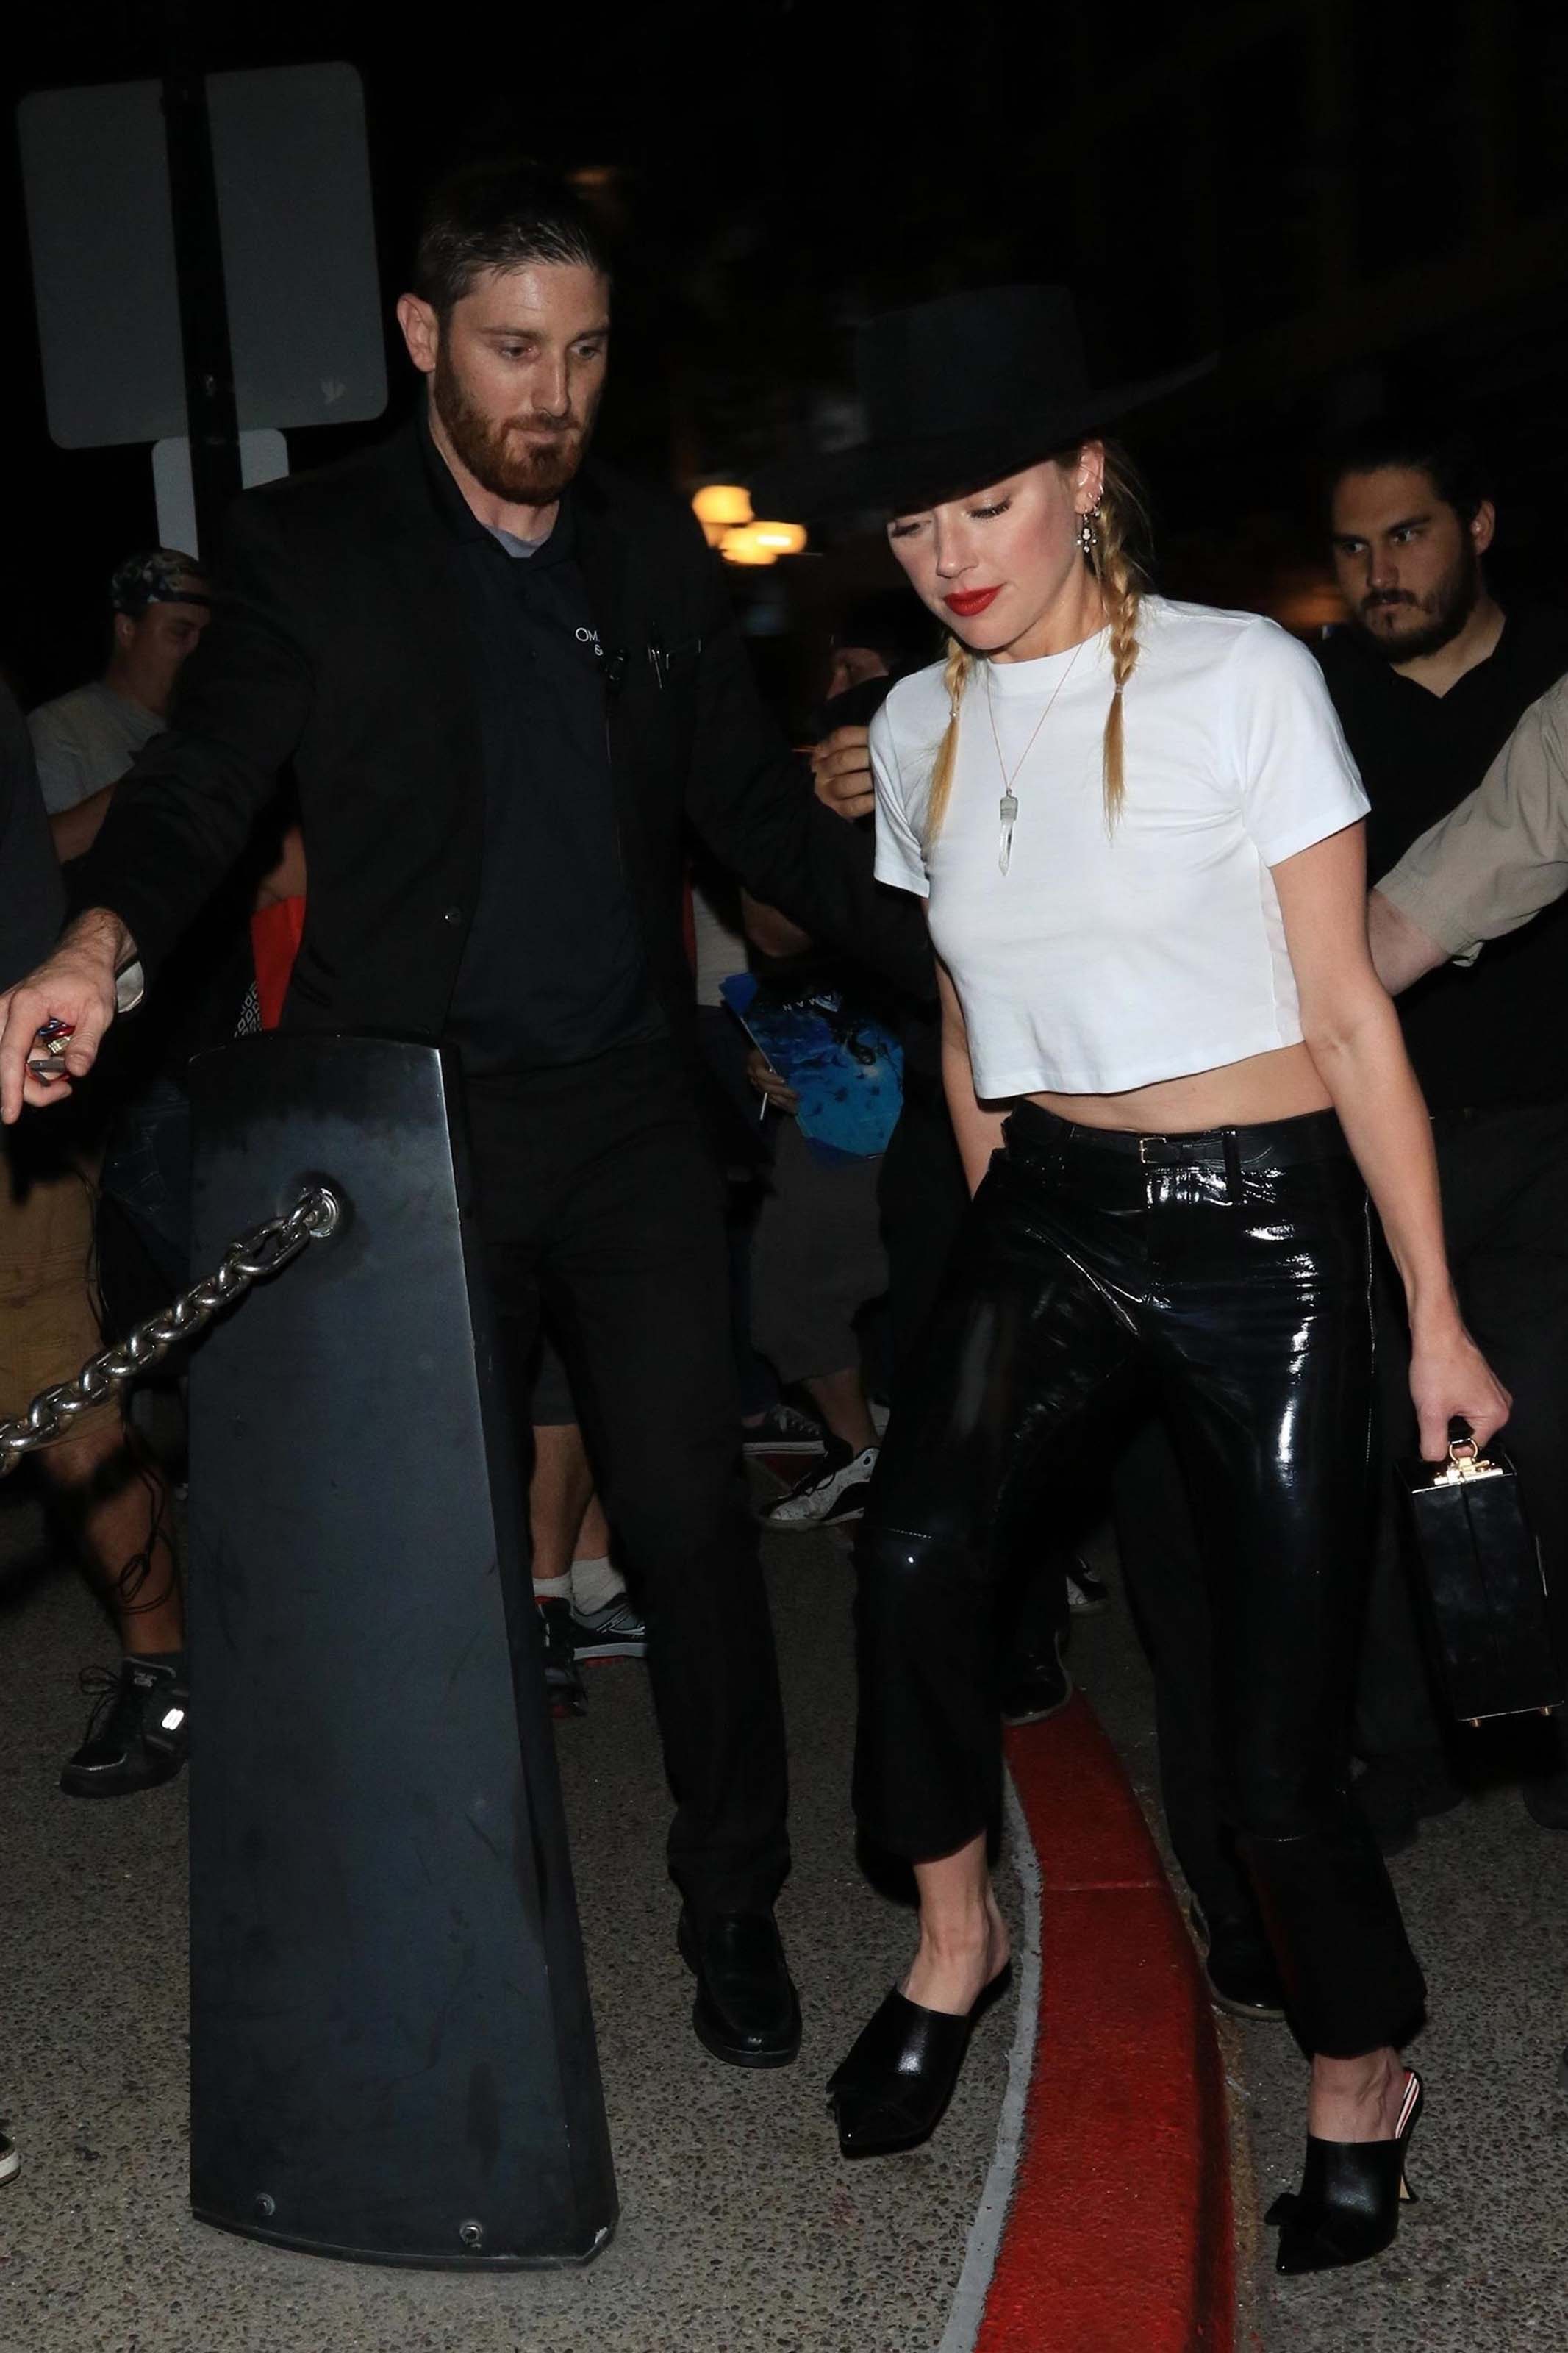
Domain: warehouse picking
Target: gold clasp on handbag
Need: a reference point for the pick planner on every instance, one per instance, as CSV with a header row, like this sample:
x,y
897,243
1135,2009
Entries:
x,y
1466,1460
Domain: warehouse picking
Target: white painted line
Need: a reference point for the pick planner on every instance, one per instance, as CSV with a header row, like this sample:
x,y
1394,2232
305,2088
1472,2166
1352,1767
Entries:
x,y
991,2215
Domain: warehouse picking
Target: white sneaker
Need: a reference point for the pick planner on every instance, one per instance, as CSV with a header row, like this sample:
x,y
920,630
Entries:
x,y
832,1489
10,2163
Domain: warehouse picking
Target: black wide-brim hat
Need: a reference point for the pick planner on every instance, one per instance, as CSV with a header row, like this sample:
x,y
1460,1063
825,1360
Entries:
x,y
958,394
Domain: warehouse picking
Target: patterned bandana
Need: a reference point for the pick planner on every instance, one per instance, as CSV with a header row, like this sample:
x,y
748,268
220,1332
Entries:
x,y
163,576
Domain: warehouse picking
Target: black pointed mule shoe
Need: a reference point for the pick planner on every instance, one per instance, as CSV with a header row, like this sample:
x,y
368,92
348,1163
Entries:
x,y
1347,2209
891,2092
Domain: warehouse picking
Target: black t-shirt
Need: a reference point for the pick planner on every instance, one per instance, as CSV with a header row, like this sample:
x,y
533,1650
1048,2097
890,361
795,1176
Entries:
x,y
554,969
1497,1031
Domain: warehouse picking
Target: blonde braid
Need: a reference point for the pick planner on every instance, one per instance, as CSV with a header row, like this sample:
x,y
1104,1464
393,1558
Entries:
x,y
954,678
1120,521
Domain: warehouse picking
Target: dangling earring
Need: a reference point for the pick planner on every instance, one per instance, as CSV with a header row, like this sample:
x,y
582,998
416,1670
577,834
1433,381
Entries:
x,y
1088,537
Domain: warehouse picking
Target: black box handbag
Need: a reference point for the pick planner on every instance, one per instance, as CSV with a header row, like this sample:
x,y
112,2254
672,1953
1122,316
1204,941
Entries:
x,y
1484,1587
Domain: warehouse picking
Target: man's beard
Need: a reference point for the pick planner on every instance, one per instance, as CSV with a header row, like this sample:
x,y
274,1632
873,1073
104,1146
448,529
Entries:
x,y
524,473
1441,615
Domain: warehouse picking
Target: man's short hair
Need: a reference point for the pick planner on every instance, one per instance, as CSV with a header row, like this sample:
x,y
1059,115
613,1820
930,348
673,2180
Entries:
x,y
1446,455
502,215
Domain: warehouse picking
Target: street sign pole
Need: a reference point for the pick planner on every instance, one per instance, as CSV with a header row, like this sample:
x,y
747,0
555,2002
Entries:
x,y
210,405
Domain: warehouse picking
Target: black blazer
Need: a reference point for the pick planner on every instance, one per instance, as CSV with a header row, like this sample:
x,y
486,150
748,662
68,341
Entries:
x,y
32,896
338,644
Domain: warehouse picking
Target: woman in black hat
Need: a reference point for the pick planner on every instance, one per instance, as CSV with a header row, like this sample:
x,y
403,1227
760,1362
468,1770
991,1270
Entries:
x,y
1175,1079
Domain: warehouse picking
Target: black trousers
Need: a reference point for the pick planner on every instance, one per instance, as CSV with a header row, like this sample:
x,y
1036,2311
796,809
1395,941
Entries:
x,y
923,1196
924,1199
1504,1174
1166,1585
1230,1273
599,1203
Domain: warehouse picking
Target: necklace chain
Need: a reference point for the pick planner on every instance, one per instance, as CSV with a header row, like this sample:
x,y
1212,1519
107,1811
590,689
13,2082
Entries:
x,y
1009,804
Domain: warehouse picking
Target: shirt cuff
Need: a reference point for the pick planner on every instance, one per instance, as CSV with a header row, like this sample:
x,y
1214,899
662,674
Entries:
x,y
1433,912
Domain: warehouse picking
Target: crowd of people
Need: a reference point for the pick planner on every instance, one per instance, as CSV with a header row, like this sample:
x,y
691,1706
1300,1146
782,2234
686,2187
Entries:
x,y
467,748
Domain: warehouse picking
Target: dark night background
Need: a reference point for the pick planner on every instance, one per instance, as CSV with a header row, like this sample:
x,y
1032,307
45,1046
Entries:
x,y
1349,203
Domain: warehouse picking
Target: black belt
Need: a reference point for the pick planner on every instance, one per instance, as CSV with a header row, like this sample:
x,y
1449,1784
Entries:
x,y
1268,1144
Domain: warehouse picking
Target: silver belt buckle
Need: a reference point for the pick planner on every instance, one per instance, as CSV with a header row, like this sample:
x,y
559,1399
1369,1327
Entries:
x,y
1143,1153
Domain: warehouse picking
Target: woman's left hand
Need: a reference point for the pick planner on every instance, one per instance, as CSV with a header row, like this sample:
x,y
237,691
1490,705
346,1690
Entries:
x,y
1450,1377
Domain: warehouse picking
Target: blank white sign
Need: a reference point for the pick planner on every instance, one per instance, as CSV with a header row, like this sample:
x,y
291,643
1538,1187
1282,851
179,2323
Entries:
x,y
299,249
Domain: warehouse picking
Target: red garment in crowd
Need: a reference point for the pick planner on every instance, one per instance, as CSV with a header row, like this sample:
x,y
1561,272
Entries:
x,y
275,935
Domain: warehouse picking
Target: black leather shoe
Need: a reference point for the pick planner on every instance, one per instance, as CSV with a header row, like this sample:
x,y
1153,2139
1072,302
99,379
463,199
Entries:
x,y
747,2012
1036,1686
891,2091
1347,2209
1239,1967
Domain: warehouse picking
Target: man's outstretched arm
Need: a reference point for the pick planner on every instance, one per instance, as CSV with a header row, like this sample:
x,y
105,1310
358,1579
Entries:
x,y
74,986
1489,865
1402,952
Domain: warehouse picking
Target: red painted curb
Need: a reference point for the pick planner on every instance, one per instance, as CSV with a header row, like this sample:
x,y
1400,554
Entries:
x,y
1118,2238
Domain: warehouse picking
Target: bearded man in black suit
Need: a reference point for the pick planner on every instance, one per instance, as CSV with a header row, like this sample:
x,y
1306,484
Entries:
x,y
506,680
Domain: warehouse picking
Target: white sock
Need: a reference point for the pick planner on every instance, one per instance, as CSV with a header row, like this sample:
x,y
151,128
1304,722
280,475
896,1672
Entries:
x,y
553,1588
595,1584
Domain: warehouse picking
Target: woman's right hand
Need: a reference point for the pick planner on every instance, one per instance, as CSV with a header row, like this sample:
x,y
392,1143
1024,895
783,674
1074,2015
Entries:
x,y
1450,1378
768,1082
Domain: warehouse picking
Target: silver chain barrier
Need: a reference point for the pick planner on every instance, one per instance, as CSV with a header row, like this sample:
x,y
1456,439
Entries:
x,y
264,1251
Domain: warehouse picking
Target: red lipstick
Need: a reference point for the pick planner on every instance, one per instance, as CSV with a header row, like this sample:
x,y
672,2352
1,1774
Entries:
x,y
966,602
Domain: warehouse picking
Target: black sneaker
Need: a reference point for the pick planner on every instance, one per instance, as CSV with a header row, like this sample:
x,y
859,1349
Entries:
x,y
616,1631
784,1429
1035,1686
562,1684
10,2163
833,1489
138,1734
1087,1594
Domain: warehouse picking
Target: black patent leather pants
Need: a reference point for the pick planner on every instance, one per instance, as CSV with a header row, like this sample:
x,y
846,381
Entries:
x,y
1229,1272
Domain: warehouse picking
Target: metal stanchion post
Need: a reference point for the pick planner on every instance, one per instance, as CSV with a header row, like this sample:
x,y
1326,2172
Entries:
x,y
393,2053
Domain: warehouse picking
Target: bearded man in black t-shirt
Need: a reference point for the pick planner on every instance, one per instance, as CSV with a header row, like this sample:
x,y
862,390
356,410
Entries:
x,y
1429,679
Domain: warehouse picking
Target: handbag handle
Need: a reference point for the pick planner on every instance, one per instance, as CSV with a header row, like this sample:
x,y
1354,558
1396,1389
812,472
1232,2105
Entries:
x,y
1465,1460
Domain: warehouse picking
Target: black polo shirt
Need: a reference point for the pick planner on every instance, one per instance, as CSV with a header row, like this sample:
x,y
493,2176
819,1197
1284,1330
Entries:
x,y
1496,1031
554,969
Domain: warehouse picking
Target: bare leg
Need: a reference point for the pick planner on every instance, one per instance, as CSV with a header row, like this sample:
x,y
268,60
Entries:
x,y
558,1500
114,1503
1356,2099
964,1938
840,1397
593,1536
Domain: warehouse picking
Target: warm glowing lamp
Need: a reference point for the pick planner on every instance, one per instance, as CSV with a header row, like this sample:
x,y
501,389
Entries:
x,y
722,502
744,545
784,538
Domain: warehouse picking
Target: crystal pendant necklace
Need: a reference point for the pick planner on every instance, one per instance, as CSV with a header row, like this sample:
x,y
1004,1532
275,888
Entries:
x,y
1009,803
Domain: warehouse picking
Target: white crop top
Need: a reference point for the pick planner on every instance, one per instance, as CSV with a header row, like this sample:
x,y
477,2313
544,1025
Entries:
x,y
1103,960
